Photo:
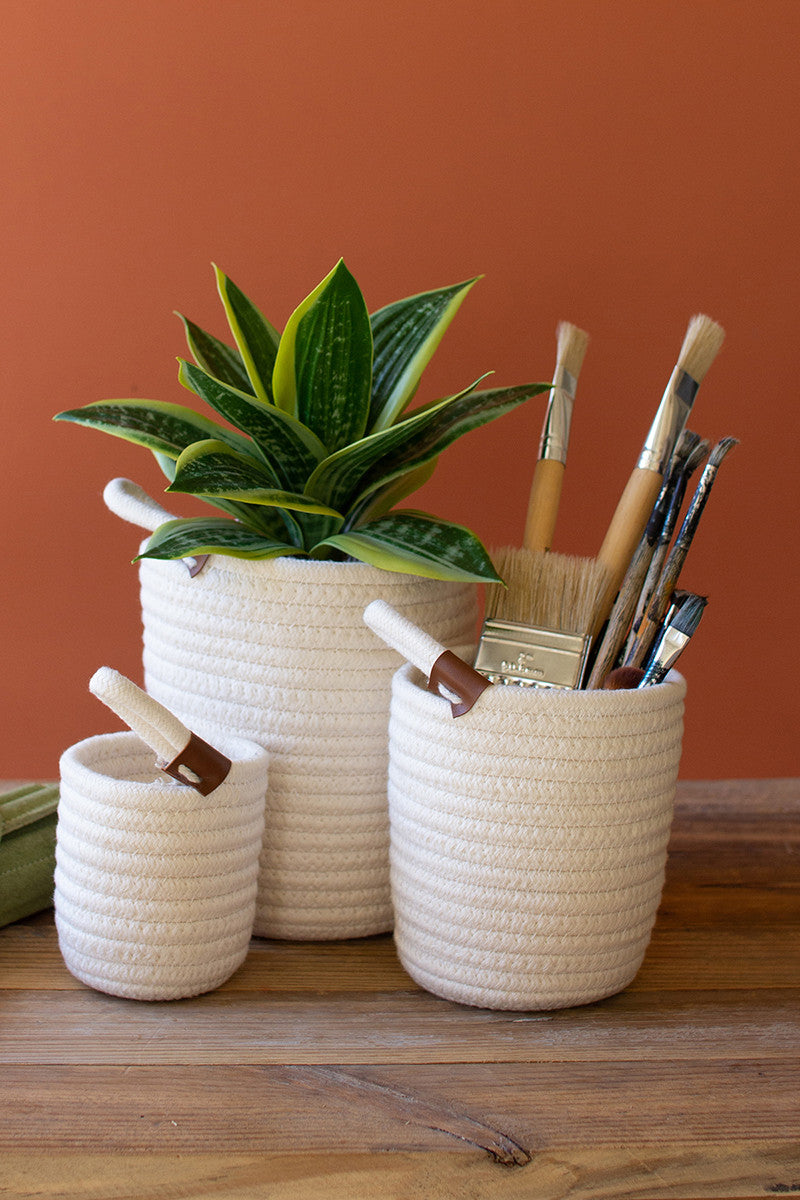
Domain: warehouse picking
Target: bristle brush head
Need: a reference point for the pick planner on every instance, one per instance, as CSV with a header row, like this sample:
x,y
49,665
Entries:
x,y
701,345
723,447
545,590
689,614
571,343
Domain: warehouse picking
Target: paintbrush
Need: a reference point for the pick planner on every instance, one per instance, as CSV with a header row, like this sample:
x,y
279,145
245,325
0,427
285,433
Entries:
x,y
700,346
626,601
548,474
678,628
668,580
661,548
537,630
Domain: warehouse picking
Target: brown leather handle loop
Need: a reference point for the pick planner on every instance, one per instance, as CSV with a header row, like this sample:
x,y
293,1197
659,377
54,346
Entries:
x,y
459,677
205,768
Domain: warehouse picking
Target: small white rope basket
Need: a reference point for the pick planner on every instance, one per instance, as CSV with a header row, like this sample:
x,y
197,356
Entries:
x,y
529,837
155,883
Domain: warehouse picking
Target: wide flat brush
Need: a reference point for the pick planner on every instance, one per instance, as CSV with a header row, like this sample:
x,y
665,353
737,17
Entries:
x,y
678,629
548,475
701,344
537,629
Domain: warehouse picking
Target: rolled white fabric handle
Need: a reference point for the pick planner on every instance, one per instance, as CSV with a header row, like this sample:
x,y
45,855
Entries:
x,y
179,752
448,675
403,635
127,500
157,726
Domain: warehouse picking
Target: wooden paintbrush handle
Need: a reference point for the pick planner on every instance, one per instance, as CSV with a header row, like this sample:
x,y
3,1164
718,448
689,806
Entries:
x,y
626,528
543,504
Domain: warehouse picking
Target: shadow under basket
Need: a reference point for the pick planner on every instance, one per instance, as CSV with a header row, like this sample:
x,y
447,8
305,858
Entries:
x,y
529,838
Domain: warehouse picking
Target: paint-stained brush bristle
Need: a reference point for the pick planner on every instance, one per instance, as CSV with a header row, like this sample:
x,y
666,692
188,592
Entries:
x,y
701,345
689,614
571,343
550,591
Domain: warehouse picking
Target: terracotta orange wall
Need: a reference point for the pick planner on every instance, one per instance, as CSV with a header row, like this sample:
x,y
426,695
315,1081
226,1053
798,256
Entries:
x,y
616,163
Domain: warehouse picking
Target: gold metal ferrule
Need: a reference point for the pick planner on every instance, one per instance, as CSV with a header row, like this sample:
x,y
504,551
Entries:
x,y
669,422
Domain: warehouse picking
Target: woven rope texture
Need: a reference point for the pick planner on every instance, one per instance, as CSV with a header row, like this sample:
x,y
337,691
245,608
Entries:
x,y
528,838
155,884
277,651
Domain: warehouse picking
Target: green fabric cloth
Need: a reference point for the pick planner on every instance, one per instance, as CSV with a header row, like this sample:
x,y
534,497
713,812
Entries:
x,y
27,850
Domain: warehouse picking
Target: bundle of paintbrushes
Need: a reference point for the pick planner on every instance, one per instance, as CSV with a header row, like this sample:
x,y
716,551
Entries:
x,y
617,620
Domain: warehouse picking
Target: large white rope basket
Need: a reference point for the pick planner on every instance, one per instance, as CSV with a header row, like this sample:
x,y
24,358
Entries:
x,y
276,651
155,882
529,838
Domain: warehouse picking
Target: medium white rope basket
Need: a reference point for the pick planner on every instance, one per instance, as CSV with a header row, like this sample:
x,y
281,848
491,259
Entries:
x,y
276,651
529,838
155,882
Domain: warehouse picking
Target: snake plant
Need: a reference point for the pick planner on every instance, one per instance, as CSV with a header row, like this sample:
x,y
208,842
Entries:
x,y
318,445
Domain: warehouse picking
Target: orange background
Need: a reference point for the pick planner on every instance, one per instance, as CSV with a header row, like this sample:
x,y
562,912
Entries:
x,y
619,164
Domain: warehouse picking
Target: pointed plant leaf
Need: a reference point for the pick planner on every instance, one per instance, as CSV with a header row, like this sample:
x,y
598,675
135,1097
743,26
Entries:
x,y
276,524
272,523
256,339
211,468
415,543
191,536
284,380
434,428
166,429
405,336
215,357
354,472
381,501
333,362
291,450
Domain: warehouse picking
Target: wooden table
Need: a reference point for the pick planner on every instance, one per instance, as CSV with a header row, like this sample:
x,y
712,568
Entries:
x,y
321,1070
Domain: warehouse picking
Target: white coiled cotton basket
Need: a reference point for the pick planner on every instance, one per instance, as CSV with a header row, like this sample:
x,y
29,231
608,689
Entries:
x,y
277,651
155,884
529,837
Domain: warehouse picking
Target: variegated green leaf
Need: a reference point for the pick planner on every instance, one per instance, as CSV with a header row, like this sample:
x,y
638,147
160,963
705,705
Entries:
x,y
211,535
211,468
284,380
315,528
291,450
340,479
434,428
384,499
256,338
405,336
333,362
165,429
415,543
215,357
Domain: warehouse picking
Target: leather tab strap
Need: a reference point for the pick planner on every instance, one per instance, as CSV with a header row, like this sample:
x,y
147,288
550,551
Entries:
x,y
451,672
199,766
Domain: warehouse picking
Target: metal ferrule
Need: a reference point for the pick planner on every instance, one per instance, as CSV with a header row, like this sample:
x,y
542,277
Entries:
x,y
673,412
669,649
555,433
532,657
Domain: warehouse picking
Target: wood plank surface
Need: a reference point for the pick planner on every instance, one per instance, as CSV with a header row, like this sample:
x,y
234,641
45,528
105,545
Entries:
x,y
322,1070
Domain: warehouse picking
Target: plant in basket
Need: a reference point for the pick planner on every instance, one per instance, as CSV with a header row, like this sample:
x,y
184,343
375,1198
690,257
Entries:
x,y
319,445
314,447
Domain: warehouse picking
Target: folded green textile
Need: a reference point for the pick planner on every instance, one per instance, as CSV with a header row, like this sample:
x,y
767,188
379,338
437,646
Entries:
x,y
27,850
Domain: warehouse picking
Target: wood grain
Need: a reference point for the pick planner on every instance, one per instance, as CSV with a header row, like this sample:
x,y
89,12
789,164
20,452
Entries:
x,y
322,1070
